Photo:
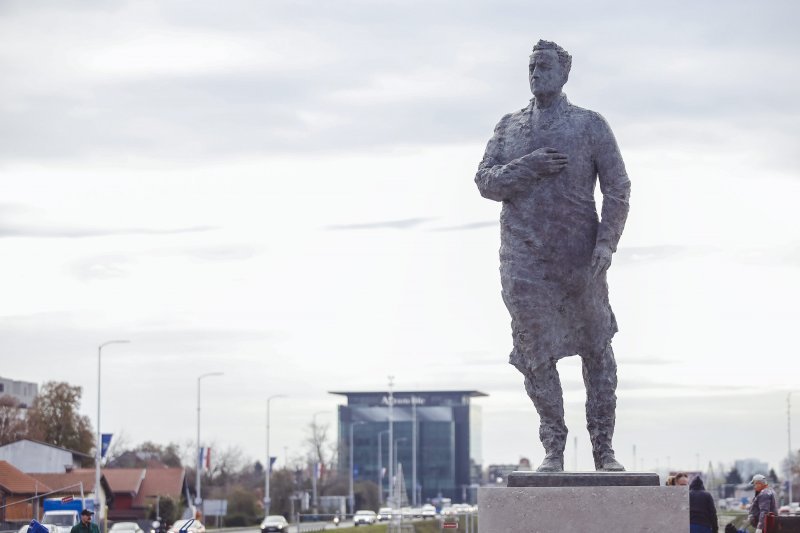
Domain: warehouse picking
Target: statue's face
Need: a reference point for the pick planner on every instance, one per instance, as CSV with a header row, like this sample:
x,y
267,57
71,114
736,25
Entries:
x,y
545,73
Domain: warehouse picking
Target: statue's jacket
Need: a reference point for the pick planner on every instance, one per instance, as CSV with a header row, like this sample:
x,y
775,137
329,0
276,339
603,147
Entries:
x,y
550,227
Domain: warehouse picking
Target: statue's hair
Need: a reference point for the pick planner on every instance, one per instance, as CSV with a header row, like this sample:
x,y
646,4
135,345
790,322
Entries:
x,y
563,56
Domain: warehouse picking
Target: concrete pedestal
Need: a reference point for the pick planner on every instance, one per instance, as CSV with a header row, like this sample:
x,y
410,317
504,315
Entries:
x,y
586,507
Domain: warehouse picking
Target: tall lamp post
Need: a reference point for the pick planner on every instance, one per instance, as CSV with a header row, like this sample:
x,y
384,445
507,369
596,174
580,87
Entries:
x,y
391,435
380,464
352,496
789,437
198,499
269,459
414,450
99,446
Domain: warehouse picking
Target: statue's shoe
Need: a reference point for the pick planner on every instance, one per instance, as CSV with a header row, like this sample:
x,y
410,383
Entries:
x,y
610,464
552,463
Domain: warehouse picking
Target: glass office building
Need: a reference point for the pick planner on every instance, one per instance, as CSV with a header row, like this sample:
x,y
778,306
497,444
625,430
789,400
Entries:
x,y
447,428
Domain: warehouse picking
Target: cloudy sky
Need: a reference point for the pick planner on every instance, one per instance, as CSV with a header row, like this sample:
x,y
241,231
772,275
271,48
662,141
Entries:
x,y
283,191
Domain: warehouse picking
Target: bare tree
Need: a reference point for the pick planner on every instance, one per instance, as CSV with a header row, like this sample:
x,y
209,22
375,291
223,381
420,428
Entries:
x,y
12,420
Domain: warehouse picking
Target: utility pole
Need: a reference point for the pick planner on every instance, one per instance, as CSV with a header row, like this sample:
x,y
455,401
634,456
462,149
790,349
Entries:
x,y
99,444
789,438
391,439
268,469
414,450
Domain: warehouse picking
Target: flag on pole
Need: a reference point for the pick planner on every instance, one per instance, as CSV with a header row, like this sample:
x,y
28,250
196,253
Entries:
x,y
105,442
317,470
204,460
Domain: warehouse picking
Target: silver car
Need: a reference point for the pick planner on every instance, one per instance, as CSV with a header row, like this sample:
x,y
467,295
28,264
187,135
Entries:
x,y
125,527
365,518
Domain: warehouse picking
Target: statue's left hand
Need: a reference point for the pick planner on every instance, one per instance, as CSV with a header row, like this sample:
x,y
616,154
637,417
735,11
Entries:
x,y
601,259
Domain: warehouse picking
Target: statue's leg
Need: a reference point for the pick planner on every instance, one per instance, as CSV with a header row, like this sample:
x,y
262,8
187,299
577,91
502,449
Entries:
x,y
600,378
544,389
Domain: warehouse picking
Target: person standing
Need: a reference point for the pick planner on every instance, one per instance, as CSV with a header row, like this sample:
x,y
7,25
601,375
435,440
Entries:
x,y
763,503
702,511
85,525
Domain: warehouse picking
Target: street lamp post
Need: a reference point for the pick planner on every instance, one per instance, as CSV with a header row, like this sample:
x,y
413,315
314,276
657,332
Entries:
x,y
99,445
198,499
380,464
269,459
789,437
413,451
352,496
391,434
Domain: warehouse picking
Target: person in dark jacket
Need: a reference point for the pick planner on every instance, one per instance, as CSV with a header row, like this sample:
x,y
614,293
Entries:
x,y
763,503
85,525
702,510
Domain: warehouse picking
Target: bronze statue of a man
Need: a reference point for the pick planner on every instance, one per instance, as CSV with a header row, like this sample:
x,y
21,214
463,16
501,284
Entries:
x,y
543,163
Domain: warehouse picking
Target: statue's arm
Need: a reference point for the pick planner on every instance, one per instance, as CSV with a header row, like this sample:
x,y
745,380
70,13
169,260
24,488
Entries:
x,y
496,179
614,184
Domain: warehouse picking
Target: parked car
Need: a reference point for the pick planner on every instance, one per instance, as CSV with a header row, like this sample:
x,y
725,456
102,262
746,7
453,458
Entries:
x,y
448,511
191,525
275,523
125,527
384,513
364,517
428,511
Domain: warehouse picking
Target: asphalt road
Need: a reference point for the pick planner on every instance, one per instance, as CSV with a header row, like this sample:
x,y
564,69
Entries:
x,y
308,526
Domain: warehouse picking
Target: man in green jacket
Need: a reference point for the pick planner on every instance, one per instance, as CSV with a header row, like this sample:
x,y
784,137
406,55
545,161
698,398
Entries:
x,y
86,525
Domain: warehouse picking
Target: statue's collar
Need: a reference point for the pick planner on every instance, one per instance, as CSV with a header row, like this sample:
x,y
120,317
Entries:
x,y
559,105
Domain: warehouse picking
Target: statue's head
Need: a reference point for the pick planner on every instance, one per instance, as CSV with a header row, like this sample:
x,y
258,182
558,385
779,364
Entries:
x,y
548,69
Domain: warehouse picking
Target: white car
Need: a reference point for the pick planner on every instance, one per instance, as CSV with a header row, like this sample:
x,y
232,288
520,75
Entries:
x,y
275,523
428,511
364,517
384,513
125,527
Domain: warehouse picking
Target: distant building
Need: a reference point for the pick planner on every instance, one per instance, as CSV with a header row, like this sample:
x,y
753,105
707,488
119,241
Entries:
x,y
448,434
32,456
136,490
749,467
22,391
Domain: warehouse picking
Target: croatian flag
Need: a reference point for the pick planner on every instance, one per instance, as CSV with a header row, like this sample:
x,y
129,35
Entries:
x,y
205,458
